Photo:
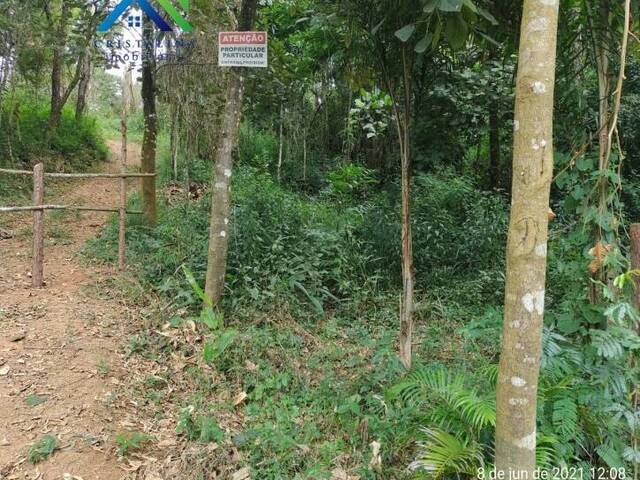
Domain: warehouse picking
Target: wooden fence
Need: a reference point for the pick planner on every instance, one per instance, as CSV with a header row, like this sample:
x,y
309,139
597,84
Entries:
x,y
38,208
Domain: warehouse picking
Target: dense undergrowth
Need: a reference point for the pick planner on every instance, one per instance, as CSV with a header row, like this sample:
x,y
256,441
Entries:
x,y
311,308
25,139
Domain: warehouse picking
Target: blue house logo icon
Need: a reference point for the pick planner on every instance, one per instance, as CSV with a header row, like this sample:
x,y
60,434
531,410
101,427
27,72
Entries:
x,y
152,13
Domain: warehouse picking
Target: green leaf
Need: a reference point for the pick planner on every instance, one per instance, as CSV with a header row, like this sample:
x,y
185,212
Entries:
x,y
489,39
456,30
424,44
213,349
568,323
212,319
451,5
375,29
405,33
565,416
443,453
482,12
430,6
317,304
194,285
470,5
610,456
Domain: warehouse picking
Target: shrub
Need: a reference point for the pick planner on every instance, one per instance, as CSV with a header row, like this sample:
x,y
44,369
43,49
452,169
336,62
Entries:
x,y
74,146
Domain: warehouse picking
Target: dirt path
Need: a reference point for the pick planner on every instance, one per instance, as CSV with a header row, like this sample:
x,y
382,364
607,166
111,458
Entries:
x,y
60,357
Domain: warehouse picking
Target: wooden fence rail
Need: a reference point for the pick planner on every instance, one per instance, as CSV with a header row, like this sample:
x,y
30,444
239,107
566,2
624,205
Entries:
x,y
80,175
31,208
38,208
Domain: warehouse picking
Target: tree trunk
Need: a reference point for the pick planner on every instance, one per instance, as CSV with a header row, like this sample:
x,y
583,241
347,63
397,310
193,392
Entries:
x,y
601,42
174,139
304,155
5,74
83,85
494,146
56,89
56,69
220,197
148,156
527,241
281,147
408,276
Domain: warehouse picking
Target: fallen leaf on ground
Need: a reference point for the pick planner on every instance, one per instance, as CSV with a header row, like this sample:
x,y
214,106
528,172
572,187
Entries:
x,y
239,398
339,474
242,474
376,458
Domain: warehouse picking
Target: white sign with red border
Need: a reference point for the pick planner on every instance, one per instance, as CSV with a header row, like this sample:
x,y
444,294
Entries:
x,y
242,49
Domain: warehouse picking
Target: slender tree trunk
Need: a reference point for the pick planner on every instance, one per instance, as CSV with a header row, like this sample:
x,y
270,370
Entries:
x,y
281,147
601,44
221,197
494,146
347,146
56,69
56,89
304,155
83,85
408,276
148,157
6,73
126,90
174,139
527,241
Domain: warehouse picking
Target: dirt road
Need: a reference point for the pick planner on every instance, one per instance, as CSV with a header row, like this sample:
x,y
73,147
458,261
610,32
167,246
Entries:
x,y
60,347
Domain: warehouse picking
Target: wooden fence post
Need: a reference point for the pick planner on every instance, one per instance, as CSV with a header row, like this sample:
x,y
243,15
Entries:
x,y
37,270
126,86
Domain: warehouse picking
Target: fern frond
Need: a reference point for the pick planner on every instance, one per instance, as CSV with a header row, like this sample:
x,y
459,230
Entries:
x,y
423,384
443,453
546,451
480,412
610,456
565,416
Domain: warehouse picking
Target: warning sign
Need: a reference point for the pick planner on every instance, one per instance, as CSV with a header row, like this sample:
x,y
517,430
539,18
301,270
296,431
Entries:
x,y
242,49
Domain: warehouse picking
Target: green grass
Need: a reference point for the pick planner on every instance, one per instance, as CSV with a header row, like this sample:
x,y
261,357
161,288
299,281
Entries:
x,y
42,449
35,400
130,441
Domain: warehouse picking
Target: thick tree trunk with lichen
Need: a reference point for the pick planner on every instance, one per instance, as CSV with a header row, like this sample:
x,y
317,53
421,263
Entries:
x,y
527,241
221,198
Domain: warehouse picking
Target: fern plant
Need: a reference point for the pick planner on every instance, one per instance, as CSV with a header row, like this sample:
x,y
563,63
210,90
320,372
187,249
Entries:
x,y
585,415
459,419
